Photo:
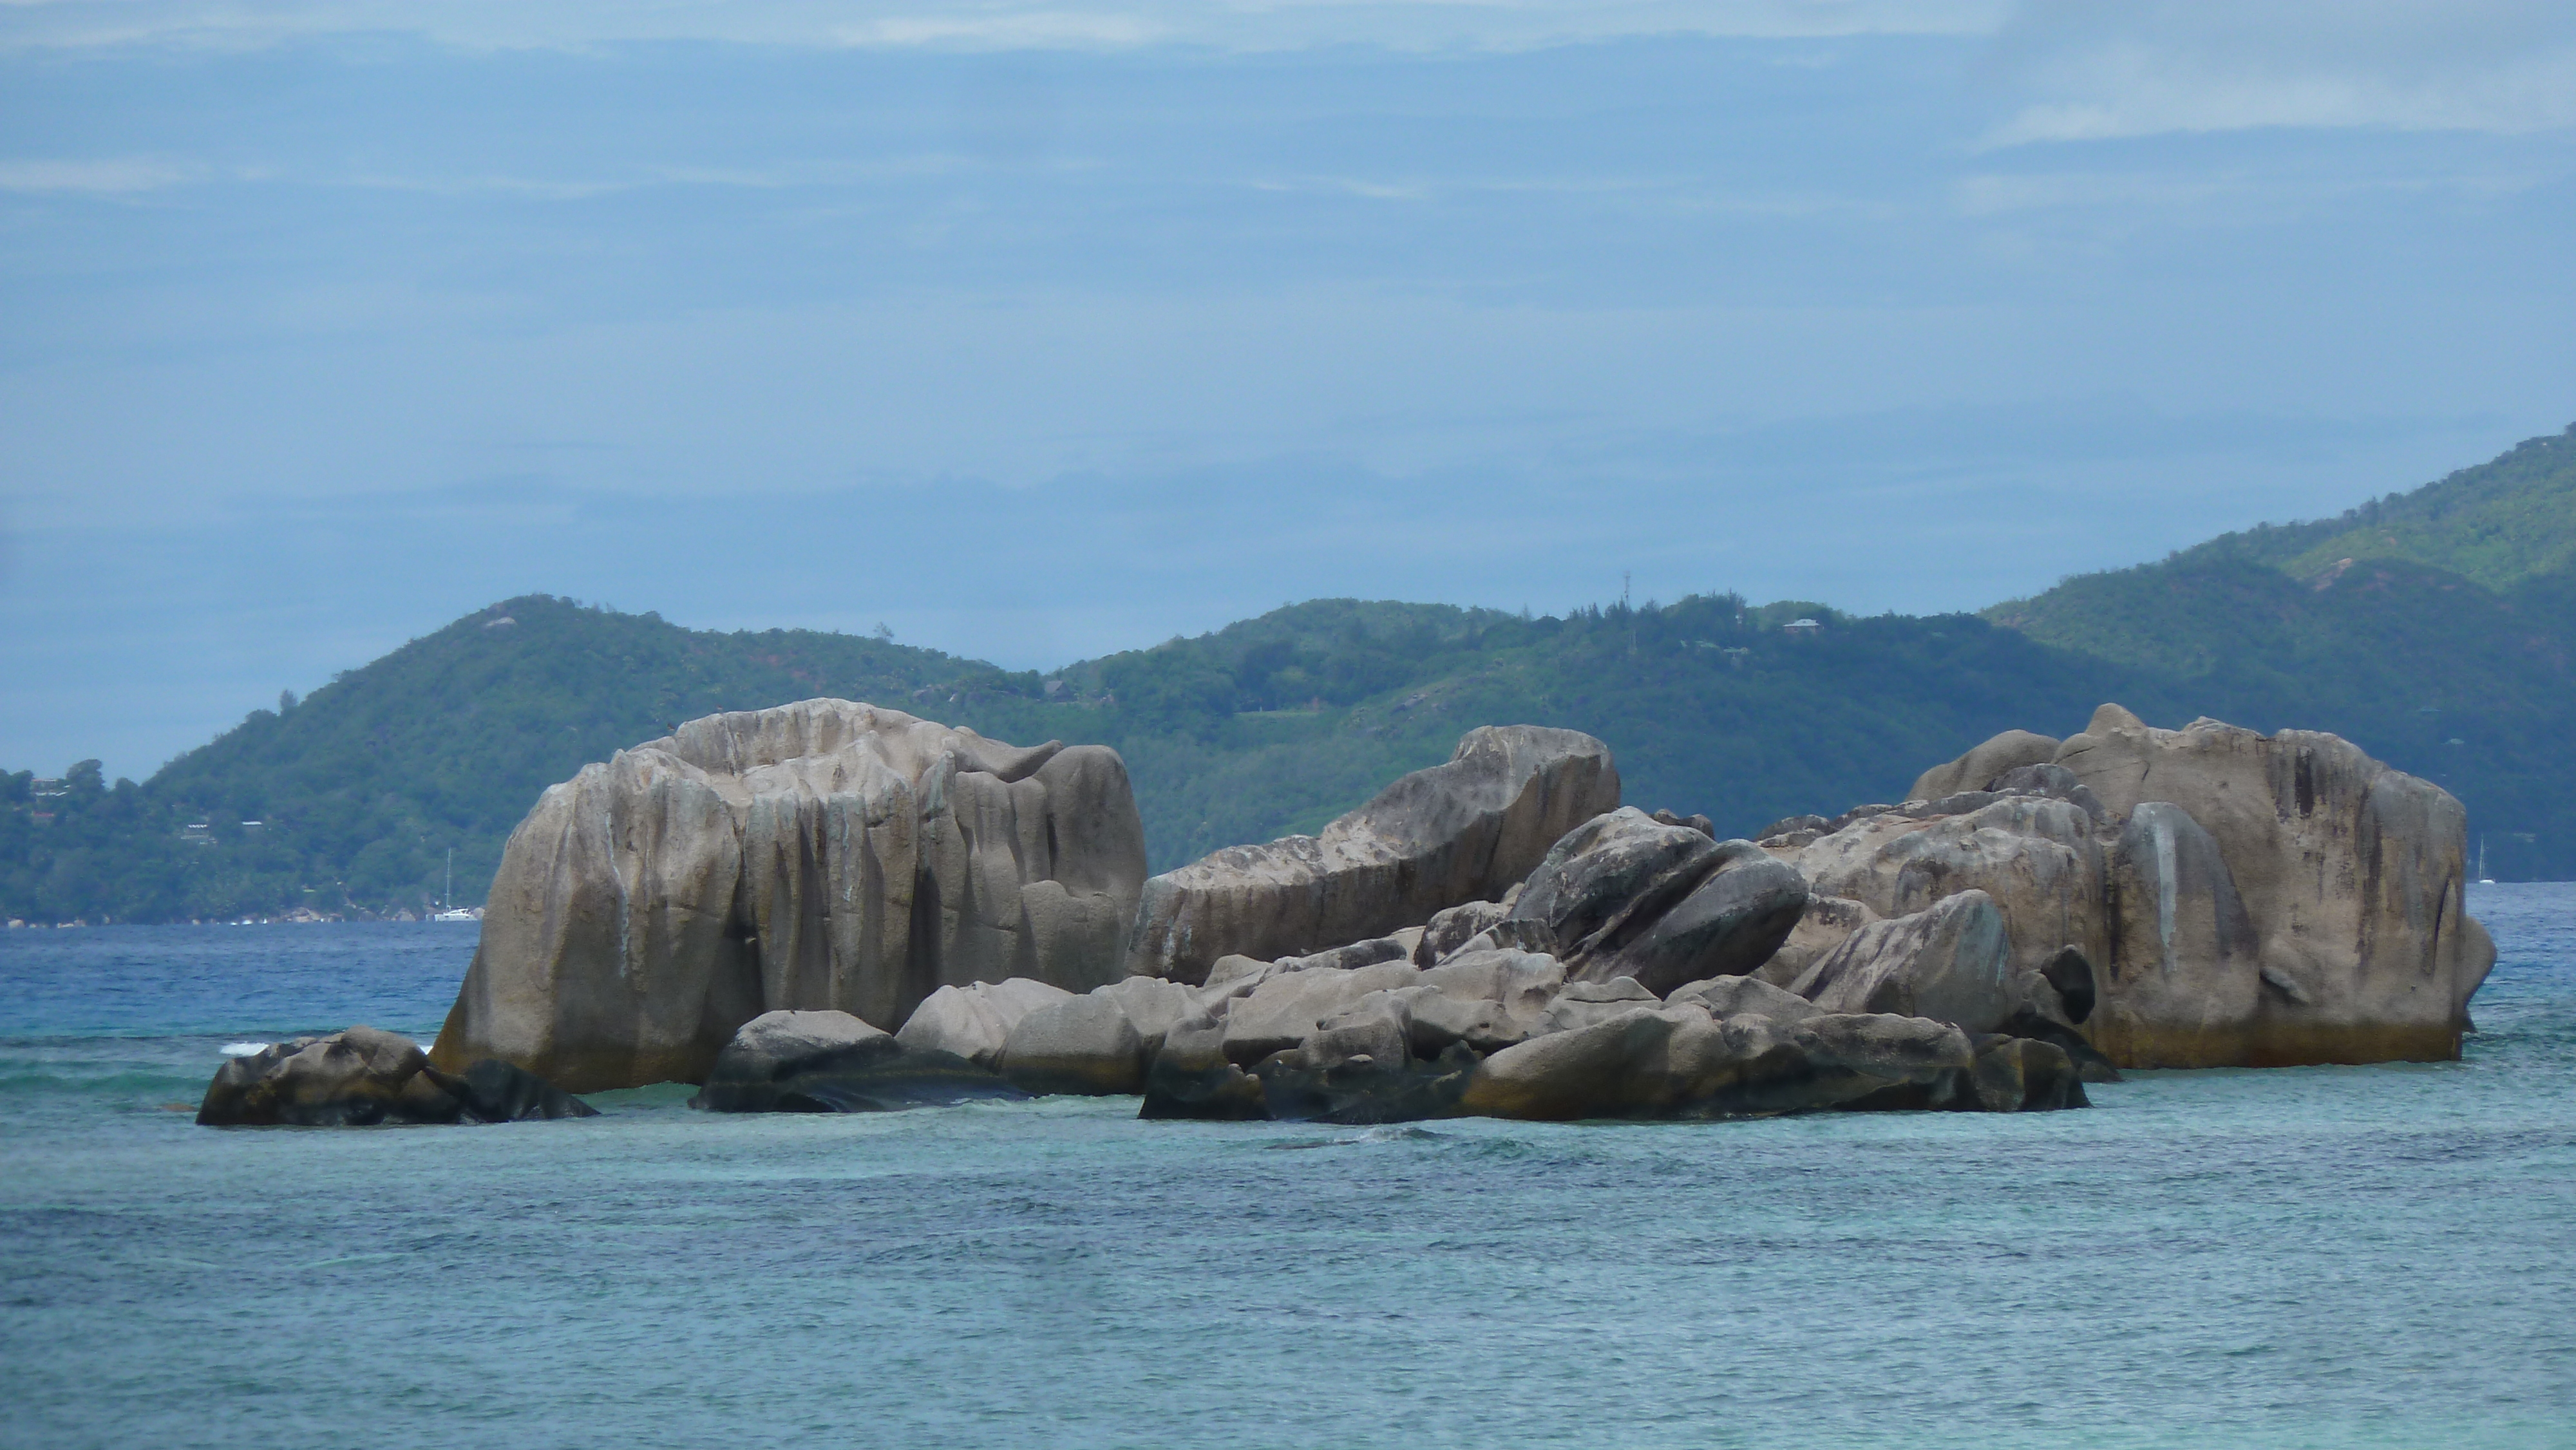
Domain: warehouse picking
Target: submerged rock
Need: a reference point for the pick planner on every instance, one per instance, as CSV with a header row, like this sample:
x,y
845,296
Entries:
x,y
362,1077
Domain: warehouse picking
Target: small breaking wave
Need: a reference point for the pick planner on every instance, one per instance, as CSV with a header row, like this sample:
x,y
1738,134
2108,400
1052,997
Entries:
x,y
244,1049
1385,1133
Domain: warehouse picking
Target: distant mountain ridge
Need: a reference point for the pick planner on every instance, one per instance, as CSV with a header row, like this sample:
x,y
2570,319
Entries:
x,y
1278,723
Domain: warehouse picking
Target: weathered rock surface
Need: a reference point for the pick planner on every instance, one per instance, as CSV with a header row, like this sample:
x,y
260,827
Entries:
x,y
1724,997
1677,1061
1951,963
2015,1074
825,1061
1625,896
2040,860
974,1021
822,855
1978,768
1085,1044
2353,944
1191,1077
1582,1004
1287,1007
1451,929
1824,924
1455,833
362,1077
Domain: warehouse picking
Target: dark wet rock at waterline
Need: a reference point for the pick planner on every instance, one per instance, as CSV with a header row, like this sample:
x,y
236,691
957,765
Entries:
x,y
831,1062
364,1077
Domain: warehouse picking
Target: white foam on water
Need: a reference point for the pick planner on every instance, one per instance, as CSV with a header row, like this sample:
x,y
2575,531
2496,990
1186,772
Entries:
x,y
244,1049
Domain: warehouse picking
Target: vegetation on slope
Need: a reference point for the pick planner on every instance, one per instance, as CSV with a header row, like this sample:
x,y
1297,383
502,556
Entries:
x,y
1277,724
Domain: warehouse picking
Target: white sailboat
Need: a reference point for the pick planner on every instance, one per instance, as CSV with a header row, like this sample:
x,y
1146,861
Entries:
x,y
2483,878
453,912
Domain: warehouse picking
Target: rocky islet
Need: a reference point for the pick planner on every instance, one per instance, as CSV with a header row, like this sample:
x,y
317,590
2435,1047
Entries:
x,y
1493,936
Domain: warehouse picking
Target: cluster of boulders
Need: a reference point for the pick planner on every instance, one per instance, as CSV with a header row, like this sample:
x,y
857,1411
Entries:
x,y
1614,981
829,907
2246,900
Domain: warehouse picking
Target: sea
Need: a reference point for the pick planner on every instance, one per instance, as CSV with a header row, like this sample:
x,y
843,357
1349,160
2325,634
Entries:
x,y
2327,1257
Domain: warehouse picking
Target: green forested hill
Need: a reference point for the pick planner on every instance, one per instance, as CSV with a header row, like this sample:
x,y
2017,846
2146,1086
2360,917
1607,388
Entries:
x,y
1276,724
2497,525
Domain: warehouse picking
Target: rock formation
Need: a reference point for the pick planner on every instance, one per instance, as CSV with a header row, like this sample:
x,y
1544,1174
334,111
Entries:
x,y
362,1077
1454,833
821,855
2350,877
2235,899
766,895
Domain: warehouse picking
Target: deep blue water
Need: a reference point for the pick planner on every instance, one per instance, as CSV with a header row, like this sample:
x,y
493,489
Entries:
x,y
2321,1257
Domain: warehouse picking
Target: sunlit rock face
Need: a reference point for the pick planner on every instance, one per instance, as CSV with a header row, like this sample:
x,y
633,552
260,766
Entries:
x,y
820,855
2317,891
1459,832
2249,900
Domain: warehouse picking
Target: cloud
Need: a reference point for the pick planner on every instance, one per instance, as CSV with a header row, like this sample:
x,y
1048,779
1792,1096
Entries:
x,y
968,25
2093,70
115,176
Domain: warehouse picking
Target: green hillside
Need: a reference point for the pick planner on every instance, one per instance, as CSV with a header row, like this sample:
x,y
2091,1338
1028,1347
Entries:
x,y
2452,661
2496,525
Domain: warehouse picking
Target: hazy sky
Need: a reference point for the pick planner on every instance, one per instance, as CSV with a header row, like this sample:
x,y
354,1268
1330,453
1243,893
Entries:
x,y
1041,330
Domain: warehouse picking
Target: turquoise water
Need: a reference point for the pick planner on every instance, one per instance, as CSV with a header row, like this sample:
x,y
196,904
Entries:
x,y
2323,1257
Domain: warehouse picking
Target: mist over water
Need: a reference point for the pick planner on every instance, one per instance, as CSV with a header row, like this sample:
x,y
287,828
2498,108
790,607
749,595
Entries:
x,y
2314,1257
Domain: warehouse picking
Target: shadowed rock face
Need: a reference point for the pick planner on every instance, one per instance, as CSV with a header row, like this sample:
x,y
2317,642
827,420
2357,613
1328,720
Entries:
x,y
1455,833
821,855
1626,896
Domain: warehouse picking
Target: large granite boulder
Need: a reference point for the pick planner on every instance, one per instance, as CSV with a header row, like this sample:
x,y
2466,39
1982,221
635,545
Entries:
x,y
1455,833
1951,963
975,1020
1627,896
1287,1007
2346,938
1085,1044
1826,923
821,855
1677,1061
826,1061
1977,769
362,1077
2038,858
2235,899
